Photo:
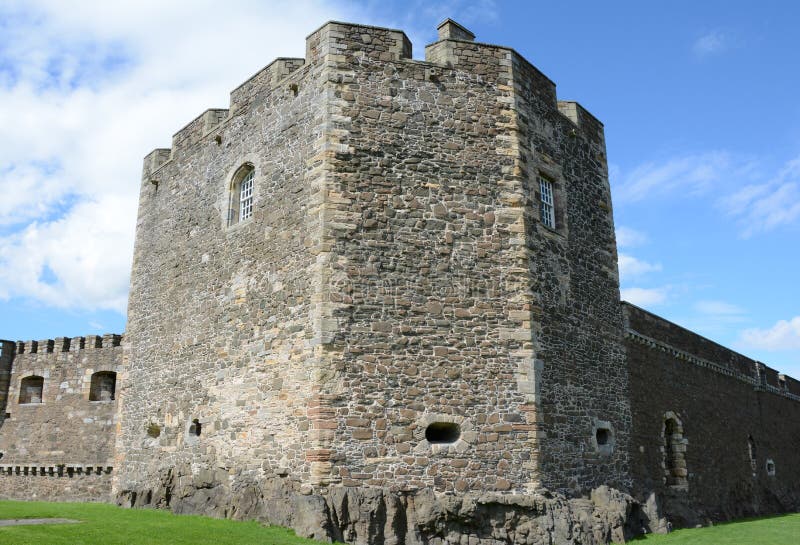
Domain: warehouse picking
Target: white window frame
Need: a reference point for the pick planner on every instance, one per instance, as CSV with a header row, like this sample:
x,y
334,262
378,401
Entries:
x,y
246,195
547,206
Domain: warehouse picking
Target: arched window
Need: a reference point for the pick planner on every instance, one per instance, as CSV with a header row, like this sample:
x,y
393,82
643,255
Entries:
x,y
30,389
103,387
241,197
675,471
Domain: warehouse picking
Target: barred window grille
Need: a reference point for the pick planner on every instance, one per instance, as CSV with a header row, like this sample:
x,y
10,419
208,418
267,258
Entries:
x,y
548,206
246,196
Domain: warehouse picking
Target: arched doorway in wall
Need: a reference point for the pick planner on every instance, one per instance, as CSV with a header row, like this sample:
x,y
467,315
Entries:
x,y
674,447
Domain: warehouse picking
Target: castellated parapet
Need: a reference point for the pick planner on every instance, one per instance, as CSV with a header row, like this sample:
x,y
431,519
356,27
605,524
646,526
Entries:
x,y
394,271
376,299
394,279
60,414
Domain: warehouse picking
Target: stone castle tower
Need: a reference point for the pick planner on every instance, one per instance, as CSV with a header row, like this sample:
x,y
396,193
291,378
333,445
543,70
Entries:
x,y
377,300
352,277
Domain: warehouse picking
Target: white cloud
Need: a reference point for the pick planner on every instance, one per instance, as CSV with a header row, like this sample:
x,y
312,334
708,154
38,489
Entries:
x,y
763,207
716,313
784,335
644,296
86,90
757,206
73,262
29,191
629,238
718,307
691,174
630,267
710,43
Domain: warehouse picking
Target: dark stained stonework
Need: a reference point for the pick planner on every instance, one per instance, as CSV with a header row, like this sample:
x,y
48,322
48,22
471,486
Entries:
x,y
394,348
722,399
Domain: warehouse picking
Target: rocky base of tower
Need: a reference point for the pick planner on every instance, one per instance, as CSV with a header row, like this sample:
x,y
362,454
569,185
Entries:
x,y
379,516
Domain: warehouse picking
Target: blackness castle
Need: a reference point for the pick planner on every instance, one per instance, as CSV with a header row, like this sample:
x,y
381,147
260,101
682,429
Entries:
x,y
377,300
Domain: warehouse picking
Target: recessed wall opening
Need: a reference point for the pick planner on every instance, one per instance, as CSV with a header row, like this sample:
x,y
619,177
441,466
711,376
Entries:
x,y
30,389
602,438
675,471
153,430
242,194
195,428
103,387
442,432
751,452
770,467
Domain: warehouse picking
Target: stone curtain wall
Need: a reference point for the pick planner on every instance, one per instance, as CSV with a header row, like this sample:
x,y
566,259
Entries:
x,y
48,483
222,318
39,440
721,402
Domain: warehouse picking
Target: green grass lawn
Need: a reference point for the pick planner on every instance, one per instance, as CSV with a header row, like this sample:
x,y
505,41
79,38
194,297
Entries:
x,y
779,530
110,525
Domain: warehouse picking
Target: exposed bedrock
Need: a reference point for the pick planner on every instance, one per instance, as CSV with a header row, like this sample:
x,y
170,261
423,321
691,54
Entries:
x,y
371,516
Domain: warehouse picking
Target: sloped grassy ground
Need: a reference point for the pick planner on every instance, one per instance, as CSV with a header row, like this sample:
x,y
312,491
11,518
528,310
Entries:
x,y
110,525
778,530
103,524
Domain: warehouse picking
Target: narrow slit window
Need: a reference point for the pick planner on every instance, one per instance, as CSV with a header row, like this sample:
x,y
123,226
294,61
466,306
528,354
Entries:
x,y
675,472
241,194
246,196
548,208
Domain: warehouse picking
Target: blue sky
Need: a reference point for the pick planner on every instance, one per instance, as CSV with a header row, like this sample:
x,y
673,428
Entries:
x,y
699,101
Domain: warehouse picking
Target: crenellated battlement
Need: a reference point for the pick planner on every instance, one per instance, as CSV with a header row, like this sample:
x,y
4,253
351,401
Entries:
x,y
66,344
154,161
268,77
340,44
336,42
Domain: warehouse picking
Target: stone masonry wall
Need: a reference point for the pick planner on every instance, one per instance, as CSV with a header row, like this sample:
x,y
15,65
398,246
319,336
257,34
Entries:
x,y
222,317
722,404
394,275
423,332
43,443
32,483
7,349
576,321
447,299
